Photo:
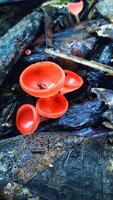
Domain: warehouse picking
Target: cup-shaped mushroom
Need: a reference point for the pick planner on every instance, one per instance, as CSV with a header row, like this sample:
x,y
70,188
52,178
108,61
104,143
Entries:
x,y
72,82
75,7
27,119
42,79
52,107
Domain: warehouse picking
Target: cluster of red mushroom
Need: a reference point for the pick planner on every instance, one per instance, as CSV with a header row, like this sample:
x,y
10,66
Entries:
x,y
48,82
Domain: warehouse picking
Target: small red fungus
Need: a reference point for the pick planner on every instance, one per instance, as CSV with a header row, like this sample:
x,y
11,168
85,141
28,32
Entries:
x,y
27,119
28,52
75,8
72,82
42,79
52,107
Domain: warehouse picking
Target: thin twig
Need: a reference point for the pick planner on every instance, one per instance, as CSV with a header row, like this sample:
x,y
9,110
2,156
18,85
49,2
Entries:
x,y
76,59
67,158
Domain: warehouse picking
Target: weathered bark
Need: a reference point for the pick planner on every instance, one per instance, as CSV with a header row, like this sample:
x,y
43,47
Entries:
x,y
78,115
56,166
10,15
13,43
72,41
106,31
106,96
105,8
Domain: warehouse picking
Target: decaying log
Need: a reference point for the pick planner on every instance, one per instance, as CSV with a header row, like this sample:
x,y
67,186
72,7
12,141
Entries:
x,y
106,31
106,96
72,41
56,166
10,15
105,8
78,115
14,42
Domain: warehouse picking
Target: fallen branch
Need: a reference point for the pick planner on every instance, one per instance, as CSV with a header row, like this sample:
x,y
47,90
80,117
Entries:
x,y
15,41
10,15
76,59
55,163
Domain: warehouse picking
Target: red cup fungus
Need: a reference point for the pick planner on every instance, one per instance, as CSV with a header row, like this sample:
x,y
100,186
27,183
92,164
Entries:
x,y
75,8
42,79
52,107
45,80
27,119
28,52
72,82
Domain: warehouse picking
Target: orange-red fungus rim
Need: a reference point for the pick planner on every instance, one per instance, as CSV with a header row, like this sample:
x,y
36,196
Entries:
x,y
42,79
27,119
75,8
72,82
52,107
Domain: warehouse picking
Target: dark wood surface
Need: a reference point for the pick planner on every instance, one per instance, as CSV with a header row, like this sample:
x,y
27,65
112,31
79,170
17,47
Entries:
x,y
15,41
56,166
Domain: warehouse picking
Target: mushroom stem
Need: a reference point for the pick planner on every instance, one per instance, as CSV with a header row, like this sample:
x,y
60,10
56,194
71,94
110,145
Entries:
x,y
77,19
43,119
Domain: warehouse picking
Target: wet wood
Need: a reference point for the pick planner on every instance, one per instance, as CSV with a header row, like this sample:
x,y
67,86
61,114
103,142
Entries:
x,y
105,8
58,165
79,115
106,96
14,42
106,31
10,14
73,41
